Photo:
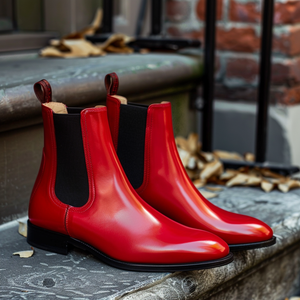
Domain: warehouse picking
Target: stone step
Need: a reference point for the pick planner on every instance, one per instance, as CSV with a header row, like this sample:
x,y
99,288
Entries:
x,y
269,273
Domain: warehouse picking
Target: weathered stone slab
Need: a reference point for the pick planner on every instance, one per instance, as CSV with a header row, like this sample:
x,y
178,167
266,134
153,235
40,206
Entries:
x,y
270,273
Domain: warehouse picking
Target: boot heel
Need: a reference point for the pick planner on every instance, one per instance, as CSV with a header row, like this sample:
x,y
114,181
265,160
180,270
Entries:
x,y
47,240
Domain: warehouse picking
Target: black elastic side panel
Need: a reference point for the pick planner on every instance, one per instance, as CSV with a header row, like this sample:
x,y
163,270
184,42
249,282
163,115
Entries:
x,y
71,186
131,141
74,110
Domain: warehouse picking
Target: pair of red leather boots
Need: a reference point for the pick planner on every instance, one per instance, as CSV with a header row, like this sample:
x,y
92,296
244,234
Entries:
x,y
111,182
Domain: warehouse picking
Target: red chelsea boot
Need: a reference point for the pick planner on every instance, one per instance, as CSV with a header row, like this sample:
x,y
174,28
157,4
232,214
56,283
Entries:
x,y
144,140
83,198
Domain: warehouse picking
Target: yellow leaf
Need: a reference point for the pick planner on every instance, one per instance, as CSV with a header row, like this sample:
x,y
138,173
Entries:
x,y
25,254
23,228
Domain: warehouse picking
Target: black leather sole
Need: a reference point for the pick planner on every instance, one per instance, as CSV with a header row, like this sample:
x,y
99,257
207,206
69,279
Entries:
x,y
59,243
241,247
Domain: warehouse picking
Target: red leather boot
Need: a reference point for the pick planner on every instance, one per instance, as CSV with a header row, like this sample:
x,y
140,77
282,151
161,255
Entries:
x,y
144,140
83,198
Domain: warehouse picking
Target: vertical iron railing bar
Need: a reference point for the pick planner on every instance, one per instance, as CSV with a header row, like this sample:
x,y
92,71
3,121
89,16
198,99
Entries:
x,y
264,81
156,17
107,25
208,76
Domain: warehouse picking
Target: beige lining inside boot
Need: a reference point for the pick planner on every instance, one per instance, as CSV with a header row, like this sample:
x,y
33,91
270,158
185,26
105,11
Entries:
x,y
122,99
58,108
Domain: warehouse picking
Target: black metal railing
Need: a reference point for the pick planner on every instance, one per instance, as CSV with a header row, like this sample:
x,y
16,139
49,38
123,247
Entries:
x,y
157,41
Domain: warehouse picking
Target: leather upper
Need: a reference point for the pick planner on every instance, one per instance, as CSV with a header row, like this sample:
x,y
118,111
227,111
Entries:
x,y
115,220
167,187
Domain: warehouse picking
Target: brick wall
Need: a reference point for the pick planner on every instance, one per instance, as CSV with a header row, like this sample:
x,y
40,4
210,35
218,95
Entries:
x,y
238,44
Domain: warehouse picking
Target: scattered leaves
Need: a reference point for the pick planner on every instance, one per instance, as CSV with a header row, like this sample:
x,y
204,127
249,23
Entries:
x,y
76,45
23,229
204,167
25,254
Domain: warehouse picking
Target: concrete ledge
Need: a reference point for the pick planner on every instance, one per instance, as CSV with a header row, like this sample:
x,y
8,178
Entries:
x,y
79,82
270,273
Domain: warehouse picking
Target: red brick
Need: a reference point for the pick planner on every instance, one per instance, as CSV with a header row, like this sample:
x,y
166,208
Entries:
x,y
285,72
201,6
288,43
178,11
245,12
238,39
242,69
245,39
278,95
285,13
287,96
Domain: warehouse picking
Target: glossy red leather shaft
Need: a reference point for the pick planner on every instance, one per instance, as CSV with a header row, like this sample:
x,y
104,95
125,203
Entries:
x,y
167,187
115,220
45,210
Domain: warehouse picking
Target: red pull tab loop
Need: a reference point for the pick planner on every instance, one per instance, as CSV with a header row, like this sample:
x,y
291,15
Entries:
x,y
43,91
111,83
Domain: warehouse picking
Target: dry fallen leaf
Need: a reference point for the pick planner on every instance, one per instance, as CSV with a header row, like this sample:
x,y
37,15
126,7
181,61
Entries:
x,y
244,179
208,157
268,173
193,142
288,185
25,254
228,155
205,167
91,29
208,195
184,156
23,228
228,174
211,169
199,183
182,143
214,188
249,157
267,186
117,43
